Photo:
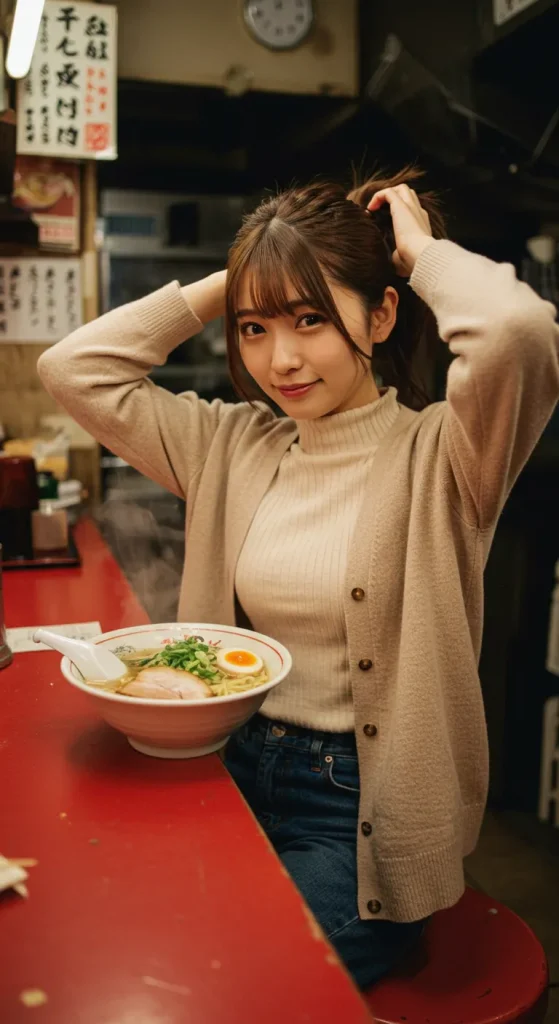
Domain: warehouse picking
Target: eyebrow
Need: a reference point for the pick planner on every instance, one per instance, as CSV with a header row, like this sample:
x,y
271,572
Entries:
x,y
290,307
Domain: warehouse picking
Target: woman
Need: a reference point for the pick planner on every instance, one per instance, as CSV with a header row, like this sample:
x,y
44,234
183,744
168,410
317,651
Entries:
x,y
354,529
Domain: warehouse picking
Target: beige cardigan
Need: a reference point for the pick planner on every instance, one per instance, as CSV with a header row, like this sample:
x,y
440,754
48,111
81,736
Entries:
x,y
438,484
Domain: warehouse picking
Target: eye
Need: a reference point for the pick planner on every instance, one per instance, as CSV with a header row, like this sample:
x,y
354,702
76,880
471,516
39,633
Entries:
x,y
250,330
311,320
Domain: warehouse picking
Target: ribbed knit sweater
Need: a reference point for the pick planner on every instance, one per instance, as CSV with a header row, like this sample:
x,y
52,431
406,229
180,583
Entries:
x,y
291,571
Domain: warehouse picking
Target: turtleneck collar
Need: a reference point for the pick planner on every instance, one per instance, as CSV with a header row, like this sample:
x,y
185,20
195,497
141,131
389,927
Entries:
x,y
355,430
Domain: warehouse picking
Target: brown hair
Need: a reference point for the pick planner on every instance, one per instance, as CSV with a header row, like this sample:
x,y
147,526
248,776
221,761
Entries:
x,y
303,234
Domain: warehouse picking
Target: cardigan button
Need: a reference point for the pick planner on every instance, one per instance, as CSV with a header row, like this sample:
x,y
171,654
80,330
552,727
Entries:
x,y
370,729
365,664
366,828
374,907
358,594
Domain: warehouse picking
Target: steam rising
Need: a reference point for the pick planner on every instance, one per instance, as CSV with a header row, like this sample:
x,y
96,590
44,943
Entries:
x,y
144,527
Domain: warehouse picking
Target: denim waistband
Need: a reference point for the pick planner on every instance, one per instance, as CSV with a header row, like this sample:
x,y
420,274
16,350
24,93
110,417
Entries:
x,y
302,739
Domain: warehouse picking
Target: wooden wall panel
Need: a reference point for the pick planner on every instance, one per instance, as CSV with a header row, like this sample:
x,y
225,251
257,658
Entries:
x,y
23,400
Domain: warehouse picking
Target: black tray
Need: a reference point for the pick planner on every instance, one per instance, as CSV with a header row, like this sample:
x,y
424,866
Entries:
x,y
65,558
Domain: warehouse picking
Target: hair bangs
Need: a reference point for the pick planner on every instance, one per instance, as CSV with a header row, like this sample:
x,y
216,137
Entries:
x,y
281,270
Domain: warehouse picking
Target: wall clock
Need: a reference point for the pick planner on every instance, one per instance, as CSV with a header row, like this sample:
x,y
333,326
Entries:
x,y
279,24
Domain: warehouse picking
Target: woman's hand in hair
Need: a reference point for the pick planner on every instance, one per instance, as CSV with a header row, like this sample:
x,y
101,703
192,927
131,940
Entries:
x,y
412,228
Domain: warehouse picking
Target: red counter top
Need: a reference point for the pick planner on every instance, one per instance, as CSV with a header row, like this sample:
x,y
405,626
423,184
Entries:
x,y
156,898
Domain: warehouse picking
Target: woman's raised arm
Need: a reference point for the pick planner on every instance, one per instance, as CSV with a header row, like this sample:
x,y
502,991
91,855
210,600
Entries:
x,y
99,374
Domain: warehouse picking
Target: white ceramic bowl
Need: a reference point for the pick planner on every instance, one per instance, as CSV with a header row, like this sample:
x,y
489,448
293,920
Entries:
x,y
168,728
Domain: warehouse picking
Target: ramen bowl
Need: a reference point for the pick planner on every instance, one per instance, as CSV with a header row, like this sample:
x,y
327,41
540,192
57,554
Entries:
x,y
181,728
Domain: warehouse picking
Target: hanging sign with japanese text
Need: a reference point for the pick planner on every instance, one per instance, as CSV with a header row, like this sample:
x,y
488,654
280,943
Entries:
x,y
67,104
40,300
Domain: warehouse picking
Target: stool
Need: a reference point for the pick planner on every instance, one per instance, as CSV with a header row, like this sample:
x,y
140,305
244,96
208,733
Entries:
x,y
477,963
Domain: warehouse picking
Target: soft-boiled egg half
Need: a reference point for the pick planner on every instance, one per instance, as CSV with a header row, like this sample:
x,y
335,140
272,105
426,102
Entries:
x,y
237,662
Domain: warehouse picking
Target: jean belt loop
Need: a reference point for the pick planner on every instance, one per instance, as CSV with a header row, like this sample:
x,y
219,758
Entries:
x,y
316,754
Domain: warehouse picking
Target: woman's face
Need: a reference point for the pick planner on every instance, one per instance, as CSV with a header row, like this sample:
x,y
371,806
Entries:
x,y
302,362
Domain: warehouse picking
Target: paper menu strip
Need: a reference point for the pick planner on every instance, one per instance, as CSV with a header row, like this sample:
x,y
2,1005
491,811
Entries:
x,y
20,639
40,299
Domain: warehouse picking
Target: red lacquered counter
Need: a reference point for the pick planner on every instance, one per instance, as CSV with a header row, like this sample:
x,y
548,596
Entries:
x,y
156,898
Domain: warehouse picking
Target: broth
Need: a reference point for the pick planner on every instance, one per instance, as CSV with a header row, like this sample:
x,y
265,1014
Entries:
x,y
187,669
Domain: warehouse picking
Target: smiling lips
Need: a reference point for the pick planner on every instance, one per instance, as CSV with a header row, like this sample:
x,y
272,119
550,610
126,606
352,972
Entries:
x,y
297,390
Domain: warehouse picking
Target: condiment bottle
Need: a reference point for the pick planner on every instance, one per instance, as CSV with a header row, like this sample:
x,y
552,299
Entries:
x,y
19,495
50,528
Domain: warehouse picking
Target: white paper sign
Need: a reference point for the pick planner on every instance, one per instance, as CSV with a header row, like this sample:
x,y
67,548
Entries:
x,y
40,300
20,639
504,10
67,104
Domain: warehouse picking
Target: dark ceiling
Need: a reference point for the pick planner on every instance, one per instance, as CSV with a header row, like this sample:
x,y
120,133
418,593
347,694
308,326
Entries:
x,y
472,114
200,138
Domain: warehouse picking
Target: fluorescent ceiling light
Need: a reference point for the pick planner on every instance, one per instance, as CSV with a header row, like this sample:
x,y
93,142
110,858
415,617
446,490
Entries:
x,y
25,28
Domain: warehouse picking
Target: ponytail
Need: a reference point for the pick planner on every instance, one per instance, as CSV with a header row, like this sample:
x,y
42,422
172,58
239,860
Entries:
x,y
414,338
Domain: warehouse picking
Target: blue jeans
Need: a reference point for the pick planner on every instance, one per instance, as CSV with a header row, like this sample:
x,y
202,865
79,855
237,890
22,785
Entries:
x,y
303,786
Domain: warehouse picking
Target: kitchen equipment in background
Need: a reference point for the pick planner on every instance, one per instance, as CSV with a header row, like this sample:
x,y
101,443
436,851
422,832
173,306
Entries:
x,y
541,271
548,809
19,497
552,663
156,222
5,652
150,239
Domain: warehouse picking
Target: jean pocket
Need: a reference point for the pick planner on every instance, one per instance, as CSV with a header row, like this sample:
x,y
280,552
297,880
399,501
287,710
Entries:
x,y
343,772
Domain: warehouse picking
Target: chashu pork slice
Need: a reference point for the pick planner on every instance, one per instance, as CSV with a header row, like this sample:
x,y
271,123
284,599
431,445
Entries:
x,y
162,683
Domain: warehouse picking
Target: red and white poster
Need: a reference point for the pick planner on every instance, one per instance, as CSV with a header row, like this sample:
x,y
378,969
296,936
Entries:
x,y
50,190
66,106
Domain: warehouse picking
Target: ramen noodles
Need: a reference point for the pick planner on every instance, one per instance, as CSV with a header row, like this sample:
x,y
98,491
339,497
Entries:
x,y
188,669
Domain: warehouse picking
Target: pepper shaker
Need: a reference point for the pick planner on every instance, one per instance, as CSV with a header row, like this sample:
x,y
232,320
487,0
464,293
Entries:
x,y
5,652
